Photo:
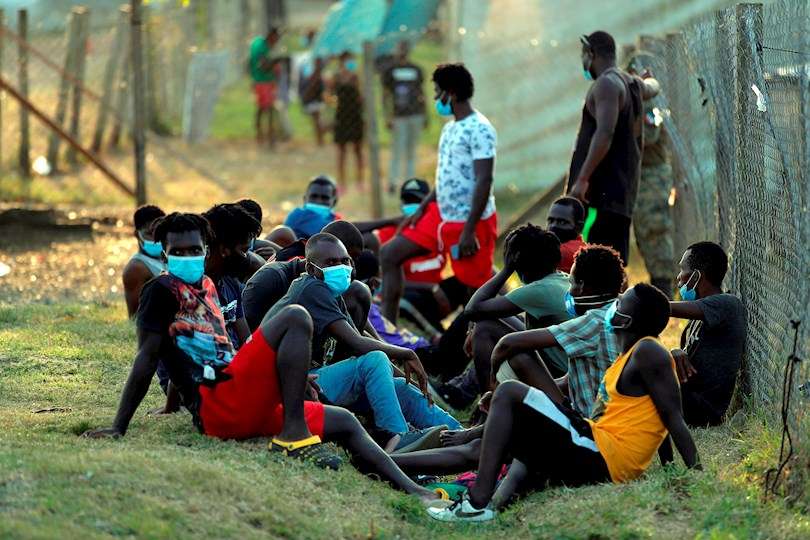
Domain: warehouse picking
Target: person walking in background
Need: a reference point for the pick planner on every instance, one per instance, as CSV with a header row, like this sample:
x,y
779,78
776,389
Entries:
x,y
309,72
404,102
652,221
263,72
605,166
348,127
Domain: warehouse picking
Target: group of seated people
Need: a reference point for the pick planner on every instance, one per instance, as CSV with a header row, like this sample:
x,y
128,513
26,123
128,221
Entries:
x,y
283,337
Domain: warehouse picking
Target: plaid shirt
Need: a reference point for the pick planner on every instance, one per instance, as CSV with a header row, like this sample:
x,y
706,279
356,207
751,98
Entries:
x,y
591,349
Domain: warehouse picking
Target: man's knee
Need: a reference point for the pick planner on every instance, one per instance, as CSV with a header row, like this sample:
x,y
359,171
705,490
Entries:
x,y
391,253
357,294
292,320
522,362
373,362
489,329
509,392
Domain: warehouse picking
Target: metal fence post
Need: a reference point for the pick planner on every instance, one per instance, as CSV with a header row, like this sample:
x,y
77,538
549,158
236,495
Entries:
x,y
370,103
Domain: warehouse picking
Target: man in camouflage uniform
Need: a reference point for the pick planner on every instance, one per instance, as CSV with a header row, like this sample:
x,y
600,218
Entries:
x,y
652,221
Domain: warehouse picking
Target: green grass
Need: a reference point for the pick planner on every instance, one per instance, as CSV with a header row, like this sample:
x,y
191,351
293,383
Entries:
x,y
165,480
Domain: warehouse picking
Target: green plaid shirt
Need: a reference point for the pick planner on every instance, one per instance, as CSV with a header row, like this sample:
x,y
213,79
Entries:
x,y
591,349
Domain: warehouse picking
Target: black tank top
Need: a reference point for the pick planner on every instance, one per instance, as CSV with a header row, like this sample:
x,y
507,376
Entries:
x,y
614,183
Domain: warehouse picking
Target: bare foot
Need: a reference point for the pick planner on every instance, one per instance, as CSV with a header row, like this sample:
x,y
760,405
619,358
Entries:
x,y
391,444
455,437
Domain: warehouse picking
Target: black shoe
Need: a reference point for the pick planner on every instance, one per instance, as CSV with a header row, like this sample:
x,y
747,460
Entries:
x,y
419,439
455,396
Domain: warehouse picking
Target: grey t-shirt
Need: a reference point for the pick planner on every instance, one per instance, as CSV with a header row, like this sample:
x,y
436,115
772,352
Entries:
x,y
266,287
314,296
715,347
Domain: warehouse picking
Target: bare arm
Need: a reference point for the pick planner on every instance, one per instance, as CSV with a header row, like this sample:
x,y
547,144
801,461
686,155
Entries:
x,y
373,225
606,95
134,277
686,310
242,330
516,342
659,380
136,386
487,304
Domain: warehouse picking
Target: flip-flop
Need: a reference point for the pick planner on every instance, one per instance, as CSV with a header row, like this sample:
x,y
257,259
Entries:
x,y
311,450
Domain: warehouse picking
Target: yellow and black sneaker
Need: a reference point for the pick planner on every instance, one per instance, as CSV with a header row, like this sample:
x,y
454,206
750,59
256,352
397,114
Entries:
x,y
311,450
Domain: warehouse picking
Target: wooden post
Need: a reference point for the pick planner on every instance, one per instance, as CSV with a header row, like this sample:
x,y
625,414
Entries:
x,y
210,27
64,85
2,25
109,78
724,146
370,102
25,131
122,105
79,63
139,124
243,32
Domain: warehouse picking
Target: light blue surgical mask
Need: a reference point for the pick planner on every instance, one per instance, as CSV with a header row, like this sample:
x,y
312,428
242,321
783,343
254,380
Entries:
x,y
570,305
614,313
187,269
151,248
587,74
351,65
687,294
320,209
337,278
410,209
444,109
252,244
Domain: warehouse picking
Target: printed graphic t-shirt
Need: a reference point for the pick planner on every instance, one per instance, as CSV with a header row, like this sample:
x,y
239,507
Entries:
x,y
193,333
405,84
461,143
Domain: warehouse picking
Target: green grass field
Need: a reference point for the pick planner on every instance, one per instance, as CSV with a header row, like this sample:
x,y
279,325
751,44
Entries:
x,y
165,480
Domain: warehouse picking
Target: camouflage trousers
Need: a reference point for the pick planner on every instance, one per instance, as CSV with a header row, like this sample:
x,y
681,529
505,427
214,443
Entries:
x,y
652,222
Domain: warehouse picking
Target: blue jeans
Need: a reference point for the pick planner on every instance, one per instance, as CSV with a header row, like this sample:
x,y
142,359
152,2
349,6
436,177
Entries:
x,y
366,383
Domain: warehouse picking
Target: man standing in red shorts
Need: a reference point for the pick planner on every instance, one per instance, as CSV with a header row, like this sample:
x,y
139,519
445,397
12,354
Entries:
x,y
263,72
458,218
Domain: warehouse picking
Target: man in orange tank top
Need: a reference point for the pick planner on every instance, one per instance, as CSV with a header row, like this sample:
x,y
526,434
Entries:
x,y
641,406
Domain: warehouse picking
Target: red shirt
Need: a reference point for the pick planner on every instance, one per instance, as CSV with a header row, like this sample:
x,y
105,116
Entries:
x,y
422,269
568,250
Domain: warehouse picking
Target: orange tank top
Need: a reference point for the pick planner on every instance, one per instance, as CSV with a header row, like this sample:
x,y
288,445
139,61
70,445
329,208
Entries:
x,y
629,430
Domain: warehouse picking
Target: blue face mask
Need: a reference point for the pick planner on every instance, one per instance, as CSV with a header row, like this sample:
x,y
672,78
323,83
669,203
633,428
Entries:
x,y
687,294
587,74
252,244
187,269
151,248
623,321
444,109
351,65
410,209
320,209
337,278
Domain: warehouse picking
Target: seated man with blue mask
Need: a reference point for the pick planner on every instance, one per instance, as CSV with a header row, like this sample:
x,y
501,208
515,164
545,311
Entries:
x,y
352,369
148,262
318,209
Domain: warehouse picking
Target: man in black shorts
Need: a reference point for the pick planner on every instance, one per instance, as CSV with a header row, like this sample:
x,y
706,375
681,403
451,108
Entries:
x,y
606,163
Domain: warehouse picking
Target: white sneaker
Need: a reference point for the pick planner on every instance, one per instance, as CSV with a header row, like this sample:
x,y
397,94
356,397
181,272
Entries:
x,y
461,511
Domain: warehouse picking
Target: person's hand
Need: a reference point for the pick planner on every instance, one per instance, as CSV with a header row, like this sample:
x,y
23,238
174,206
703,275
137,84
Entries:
x,y
580,191
455,437
313,389
683,366
485,402
468,342
414,369
467,245
102,433
161,411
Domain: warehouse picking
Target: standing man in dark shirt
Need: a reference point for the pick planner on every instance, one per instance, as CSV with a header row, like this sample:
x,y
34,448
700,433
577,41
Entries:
x,y
605,166
404,99
713,343
258,391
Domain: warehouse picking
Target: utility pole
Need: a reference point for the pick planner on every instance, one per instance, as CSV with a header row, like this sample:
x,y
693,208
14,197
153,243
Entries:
x,y
139,120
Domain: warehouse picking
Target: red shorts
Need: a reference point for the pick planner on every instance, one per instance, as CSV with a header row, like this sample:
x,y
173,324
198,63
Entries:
x,y
433,234
249,403
265,94
422,269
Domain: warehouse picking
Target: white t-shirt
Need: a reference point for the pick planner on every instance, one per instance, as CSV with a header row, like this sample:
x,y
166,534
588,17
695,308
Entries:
x,y
461,143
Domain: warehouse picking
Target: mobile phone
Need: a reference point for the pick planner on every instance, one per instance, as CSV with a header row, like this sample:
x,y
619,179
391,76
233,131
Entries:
x,y
454,252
